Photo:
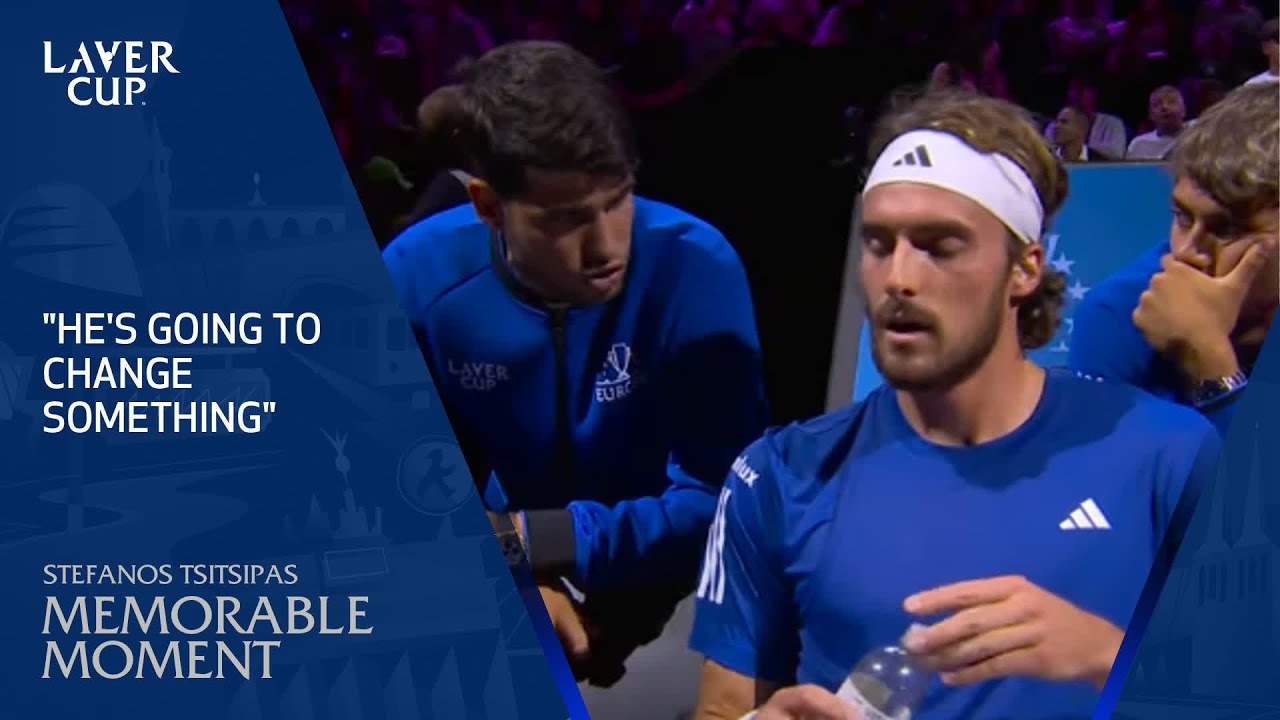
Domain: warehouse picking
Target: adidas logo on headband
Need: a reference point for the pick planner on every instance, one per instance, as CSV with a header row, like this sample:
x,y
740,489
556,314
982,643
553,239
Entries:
x,y
940,159
919,156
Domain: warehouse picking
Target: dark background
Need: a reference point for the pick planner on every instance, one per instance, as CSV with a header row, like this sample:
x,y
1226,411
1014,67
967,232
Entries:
x,y
763,134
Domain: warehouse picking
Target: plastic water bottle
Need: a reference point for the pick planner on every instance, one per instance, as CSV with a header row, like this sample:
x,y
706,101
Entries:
x,y
888,683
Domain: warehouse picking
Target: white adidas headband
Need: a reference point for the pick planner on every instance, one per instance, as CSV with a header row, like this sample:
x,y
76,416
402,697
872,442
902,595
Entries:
x,y
932,157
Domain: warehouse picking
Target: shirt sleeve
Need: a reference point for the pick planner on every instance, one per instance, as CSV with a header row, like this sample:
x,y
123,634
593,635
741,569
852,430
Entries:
x,y
396,258
714,406
744,614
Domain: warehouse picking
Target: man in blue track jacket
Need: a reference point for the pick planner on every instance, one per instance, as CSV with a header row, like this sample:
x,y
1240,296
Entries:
x,y
1186,320
596,352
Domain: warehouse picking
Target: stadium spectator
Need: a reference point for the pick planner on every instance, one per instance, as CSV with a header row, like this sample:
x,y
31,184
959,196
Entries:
x,y
708,29
1078,39
1168,113
1106,132
1238,22
441,34
1029,51
1270,37
848,22
1070,128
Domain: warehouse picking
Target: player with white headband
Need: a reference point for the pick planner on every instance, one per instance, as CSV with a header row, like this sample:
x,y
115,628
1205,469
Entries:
x,y
1013,512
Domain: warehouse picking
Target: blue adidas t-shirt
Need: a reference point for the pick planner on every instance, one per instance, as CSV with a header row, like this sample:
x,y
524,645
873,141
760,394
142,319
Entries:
x,y
1105,343
613,425
824,528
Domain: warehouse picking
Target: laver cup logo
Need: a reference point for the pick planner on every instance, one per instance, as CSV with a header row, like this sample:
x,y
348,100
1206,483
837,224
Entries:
x,y
109,73
613,382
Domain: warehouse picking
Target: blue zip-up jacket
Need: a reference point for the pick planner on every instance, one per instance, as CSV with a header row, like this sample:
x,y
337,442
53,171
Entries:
x,y
613,426
1106,344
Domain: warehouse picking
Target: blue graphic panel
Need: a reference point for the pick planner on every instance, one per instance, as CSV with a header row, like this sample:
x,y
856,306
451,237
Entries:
x,y
1212,644
1112,215
216,188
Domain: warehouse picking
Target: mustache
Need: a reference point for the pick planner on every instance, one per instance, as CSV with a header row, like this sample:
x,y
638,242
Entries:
x,y
898,311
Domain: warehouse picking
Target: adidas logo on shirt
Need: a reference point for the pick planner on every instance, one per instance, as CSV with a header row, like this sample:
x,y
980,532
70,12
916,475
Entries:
x,y
1086,516
919,156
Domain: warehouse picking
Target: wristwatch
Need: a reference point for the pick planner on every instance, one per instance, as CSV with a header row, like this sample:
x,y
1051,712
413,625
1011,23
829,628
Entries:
x,y
1212,392
509,539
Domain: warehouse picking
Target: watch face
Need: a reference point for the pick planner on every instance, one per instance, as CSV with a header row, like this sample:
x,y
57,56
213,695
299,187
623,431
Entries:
x,y
1213,390
511,549
1209,388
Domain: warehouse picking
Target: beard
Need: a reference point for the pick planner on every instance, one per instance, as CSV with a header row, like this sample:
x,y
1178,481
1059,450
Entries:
x,y
939,359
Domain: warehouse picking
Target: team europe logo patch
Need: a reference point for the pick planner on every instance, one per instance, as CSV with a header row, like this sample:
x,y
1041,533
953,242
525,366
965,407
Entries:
x,y
613,382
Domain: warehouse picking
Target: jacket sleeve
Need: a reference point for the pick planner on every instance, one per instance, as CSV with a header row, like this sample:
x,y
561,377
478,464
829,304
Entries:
x,y
405,267
713,407
1105,344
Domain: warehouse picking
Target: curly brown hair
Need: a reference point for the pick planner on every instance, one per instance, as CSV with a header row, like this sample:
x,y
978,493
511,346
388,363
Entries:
x,y
991,125
1231,150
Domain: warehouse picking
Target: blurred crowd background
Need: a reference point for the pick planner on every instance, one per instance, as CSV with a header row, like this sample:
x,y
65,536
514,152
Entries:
x,y
373,61
754,113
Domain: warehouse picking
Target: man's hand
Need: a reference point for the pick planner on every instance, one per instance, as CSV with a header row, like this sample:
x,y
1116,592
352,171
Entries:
x,y
1189,315
569,626
805,702
1006,626
561,609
